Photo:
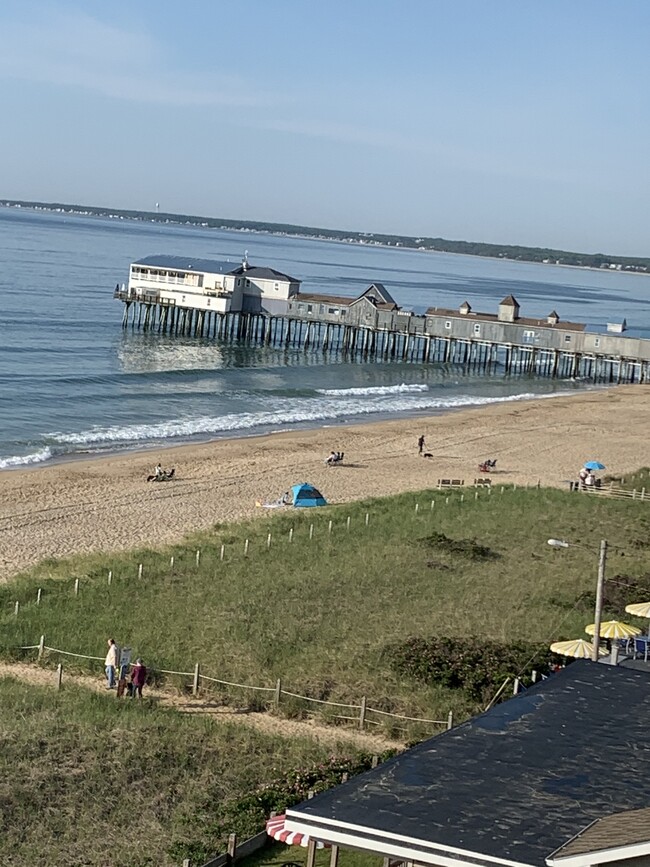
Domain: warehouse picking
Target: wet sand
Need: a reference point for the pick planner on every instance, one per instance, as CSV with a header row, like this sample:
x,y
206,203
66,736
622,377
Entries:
x,y
106,504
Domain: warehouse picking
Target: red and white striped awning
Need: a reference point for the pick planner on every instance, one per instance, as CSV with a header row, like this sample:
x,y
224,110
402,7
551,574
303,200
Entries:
x,y
275,828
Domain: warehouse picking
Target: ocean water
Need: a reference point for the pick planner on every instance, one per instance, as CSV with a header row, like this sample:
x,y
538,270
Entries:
x,y
73,382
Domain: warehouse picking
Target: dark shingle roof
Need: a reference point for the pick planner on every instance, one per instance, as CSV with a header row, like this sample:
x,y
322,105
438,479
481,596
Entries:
x,y
509,301
619,829
514,783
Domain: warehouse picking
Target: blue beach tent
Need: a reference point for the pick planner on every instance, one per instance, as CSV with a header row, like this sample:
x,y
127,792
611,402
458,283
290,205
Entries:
x,y
305,496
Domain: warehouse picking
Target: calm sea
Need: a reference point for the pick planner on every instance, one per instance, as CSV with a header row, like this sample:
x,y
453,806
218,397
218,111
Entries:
x,y
73,382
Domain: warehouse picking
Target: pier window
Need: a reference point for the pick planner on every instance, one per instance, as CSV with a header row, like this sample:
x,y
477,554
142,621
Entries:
x,y
477,328
276,287
529,336
310,308
567,338
321,309
333,310
596,342
448,324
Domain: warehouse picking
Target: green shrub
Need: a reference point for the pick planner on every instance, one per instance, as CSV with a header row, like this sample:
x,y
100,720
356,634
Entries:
x,y
470,549
474,665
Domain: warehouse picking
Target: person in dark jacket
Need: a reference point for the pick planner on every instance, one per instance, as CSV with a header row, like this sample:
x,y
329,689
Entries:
x,y
138,678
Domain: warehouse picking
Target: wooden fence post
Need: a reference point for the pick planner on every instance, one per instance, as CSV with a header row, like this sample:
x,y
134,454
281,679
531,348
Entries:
x,y
362,713
515,686
197,675
311,853
348,523
76,586
291,534
140,571
417,508
345,776
16,609
41,647
433,502
187,862
38,596
171,562
232,845
278,693
268,541
334,856
367,518
329,527
375,762
311,532
59,675
450,720
223,551
109,580
198,557
246,543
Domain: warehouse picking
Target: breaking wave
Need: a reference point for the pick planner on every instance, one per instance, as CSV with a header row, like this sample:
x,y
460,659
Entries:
x,y
284,412
25,460
373,390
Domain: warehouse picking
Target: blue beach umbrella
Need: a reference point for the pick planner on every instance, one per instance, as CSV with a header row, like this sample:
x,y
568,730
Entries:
x,y
595,465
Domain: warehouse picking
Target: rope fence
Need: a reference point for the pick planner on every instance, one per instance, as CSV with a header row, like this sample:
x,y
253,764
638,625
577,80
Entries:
x,y
363,708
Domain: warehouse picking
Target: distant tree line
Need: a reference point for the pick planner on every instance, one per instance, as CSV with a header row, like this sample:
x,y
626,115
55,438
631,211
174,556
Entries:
x,y
442,245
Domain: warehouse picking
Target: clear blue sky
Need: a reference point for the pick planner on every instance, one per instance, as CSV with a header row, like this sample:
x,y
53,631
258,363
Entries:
x,y
511,121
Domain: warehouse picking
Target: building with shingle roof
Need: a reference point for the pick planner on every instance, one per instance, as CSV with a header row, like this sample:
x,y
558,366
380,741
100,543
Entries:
x,y
511,787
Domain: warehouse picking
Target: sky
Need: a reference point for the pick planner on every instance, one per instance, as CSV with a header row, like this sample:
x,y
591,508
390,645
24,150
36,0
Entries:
x,y
501,121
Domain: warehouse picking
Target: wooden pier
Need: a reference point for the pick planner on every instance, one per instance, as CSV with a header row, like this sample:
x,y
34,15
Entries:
x,y
405,339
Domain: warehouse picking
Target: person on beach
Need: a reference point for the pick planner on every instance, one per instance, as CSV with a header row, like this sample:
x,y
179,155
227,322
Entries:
x,y
111,663
420,445
582,477
158,472
138,678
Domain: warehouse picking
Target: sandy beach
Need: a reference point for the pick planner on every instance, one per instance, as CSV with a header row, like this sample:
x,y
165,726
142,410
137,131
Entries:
x,y
106,504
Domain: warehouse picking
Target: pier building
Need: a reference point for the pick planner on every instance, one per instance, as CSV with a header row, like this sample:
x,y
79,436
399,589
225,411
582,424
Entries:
x,y
261,305
209,285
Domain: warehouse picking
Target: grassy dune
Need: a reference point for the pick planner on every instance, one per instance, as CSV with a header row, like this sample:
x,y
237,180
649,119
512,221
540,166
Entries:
x,y
319,612
86,780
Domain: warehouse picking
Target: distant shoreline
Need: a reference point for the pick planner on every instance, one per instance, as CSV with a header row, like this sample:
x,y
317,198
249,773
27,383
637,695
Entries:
x,y
599,262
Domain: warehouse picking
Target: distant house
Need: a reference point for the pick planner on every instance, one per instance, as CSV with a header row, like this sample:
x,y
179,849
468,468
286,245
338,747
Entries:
x,y
546,779
211,285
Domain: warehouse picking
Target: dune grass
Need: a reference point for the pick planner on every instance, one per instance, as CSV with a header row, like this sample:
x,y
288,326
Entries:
x,y
89,780
319,612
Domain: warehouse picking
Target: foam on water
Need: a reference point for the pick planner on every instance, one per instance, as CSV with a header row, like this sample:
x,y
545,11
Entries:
x,y
285,412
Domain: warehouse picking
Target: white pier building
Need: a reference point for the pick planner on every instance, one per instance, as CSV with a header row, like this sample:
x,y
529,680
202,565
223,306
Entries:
x,y
210,285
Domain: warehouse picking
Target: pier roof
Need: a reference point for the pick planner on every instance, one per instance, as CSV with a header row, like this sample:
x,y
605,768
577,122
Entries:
x,y
262,273
344,300
186,263
493,317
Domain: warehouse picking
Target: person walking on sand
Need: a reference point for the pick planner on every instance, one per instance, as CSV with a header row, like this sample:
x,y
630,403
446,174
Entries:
x,y
421,445
111,663
138,678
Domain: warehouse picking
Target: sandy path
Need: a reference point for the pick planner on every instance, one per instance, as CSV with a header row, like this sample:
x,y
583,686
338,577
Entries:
x,y
263,722
105,504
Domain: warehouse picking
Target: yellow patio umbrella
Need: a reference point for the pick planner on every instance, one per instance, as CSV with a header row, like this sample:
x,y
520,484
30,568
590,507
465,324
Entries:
x,y
576,647
614,629
641,609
